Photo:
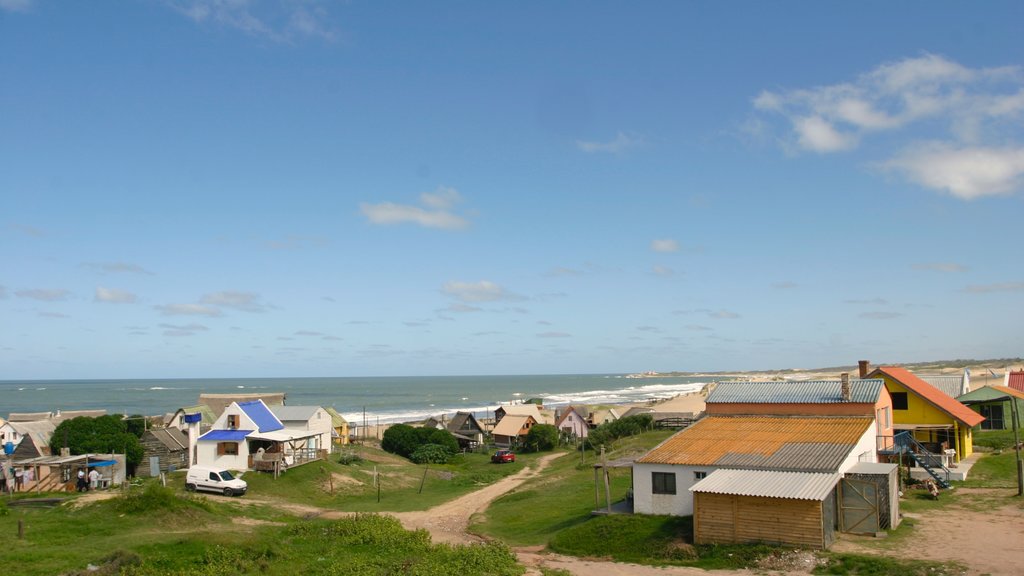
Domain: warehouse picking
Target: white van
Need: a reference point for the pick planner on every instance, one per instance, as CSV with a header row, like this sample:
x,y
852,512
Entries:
x,y
214,480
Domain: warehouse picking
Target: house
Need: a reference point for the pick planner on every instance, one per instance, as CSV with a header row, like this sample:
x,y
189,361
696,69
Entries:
x,y
932,417
662,477
28,439
843,397
177,419
533,410
308,419
1014,380
59,473
166,450
598,417
219,402
953,385
248,435
573,421
512,428
466,429
993,403
340,426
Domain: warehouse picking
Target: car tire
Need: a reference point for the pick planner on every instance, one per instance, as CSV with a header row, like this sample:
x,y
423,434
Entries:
x,y
190,487
228,492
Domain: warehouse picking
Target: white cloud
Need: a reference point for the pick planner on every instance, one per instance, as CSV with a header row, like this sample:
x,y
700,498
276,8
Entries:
x,y
113,296
665,245
437,212
188,310
964,172
473,292
1000,287
280,21
972,116
244,301
621,143
44,294
15,5
941,267
182,330
117,267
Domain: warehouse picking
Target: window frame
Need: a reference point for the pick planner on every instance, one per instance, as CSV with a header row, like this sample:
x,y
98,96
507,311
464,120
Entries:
x,y
903,403
663,483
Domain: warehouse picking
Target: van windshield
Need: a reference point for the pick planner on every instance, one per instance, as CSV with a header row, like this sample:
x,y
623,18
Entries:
x,y
225,475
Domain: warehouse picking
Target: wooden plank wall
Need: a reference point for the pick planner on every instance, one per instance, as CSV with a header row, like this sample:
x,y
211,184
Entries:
x,y
727,519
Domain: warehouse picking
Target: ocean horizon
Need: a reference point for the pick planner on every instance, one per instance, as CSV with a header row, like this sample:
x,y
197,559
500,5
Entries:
x,y
377,399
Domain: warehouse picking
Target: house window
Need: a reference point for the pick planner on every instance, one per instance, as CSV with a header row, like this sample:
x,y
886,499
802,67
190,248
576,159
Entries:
x,y
233,421
700,475
993,414
227,448
663,483
899,400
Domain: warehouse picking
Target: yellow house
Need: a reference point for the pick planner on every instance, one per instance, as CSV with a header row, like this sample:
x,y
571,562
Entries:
x,y
340,426
935,419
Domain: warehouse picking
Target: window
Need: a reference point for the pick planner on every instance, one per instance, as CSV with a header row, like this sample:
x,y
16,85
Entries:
x,y
227,448
899,400
663,483
233,421
882,421
700,475
993,414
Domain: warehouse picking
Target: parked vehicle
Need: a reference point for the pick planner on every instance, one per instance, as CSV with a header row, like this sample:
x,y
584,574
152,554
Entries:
x,y
214,480
503,456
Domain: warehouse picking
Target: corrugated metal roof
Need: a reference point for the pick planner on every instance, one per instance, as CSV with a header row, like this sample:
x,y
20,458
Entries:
x,y
1015,380
225,435
768,484
952,386
795,392
807,444
261,415
294,413
872,468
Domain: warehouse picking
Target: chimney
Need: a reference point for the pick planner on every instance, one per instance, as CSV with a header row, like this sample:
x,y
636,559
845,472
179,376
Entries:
x,y
865,367
845,379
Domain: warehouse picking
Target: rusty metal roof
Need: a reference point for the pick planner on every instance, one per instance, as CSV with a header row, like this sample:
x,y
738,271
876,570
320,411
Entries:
x,y
806,444
769,483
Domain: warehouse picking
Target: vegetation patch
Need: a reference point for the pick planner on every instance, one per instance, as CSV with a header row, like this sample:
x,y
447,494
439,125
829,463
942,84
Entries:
x,y
157,498
629,538
862,565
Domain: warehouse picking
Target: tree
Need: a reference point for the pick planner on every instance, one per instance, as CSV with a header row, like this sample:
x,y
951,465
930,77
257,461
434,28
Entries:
x,y
400,439
101,435
542,437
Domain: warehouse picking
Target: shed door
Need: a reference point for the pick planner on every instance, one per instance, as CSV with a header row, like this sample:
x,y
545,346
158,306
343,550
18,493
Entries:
x,y
154,465
858,507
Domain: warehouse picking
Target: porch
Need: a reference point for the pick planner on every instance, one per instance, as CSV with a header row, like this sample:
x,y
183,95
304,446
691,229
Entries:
x,y
924,459
280,450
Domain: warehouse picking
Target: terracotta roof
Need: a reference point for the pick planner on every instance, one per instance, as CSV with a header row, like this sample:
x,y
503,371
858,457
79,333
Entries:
x,y
1015,380
1009,391
931,394
806,443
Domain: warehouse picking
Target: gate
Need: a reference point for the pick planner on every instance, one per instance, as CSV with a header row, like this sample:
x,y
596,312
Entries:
x,y
858,507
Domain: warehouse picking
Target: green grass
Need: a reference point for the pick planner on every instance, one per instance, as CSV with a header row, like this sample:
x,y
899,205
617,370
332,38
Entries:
x,y
861,565
994,471
994,439
628,538
561,498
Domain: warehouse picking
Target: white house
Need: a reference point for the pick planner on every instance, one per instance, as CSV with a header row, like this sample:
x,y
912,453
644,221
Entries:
x,y
307,419
573,421
248,433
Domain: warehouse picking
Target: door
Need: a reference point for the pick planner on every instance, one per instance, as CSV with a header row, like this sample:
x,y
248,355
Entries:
x,y
154,466
858,506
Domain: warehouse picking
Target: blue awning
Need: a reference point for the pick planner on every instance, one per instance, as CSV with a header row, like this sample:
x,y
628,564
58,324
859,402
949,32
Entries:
x,y
225,435
101,463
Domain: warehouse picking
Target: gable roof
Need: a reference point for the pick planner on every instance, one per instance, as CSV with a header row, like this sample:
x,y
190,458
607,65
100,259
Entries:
x,y
521,410
1015,380
795,392
582,413
206,414
931,394
294,413
802,444
337,420
1008,391
218,402
510,425
769,484
258,412
172,438
29,416
461,419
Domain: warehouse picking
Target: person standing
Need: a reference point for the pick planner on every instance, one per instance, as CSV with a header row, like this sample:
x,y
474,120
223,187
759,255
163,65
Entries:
x,y
82,485
94,479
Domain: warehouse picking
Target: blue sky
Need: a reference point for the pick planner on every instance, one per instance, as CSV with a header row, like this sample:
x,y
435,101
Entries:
x,y
198,188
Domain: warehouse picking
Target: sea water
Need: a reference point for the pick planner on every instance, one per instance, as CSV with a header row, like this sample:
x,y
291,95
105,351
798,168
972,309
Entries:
x,y
376,399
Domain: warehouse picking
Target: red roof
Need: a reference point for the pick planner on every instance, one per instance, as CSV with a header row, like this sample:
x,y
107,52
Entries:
x,y
933,395
1016,380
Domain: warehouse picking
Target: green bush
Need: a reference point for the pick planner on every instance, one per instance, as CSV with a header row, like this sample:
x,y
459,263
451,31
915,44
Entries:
x,y
403,440
155,498
542,437
609,432
100,435
430,454
349,458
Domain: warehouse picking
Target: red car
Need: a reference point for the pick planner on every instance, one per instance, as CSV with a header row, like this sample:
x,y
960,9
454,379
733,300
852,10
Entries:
x,y
502,456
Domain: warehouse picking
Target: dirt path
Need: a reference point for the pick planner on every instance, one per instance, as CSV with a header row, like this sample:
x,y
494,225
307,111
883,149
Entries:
x,y
985,532
448,522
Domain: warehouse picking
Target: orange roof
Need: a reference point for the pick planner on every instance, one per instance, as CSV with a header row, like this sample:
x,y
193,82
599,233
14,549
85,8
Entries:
x,y
1010,391
804,443
931,394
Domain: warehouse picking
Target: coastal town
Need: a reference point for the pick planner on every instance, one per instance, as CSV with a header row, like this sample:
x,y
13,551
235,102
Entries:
x,y
808,464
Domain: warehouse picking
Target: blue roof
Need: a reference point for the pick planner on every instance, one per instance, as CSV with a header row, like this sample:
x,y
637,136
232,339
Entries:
x,y
226,435
258,412
800,392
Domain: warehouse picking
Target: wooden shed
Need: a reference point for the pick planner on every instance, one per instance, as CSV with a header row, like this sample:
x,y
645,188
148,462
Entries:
x,y
774,507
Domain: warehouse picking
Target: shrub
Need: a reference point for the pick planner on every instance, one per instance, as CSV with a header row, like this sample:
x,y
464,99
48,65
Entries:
x,y
349,458
542,437
403,439
611,431
154,498
431,454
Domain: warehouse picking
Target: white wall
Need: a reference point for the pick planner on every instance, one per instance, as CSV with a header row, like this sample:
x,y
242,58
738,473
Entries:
x,y
864,451
678,504
207,456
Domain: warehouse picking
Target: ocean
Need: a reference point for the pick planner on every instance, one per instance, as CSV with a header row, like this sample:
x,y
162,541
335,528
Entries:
x,y
381,399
